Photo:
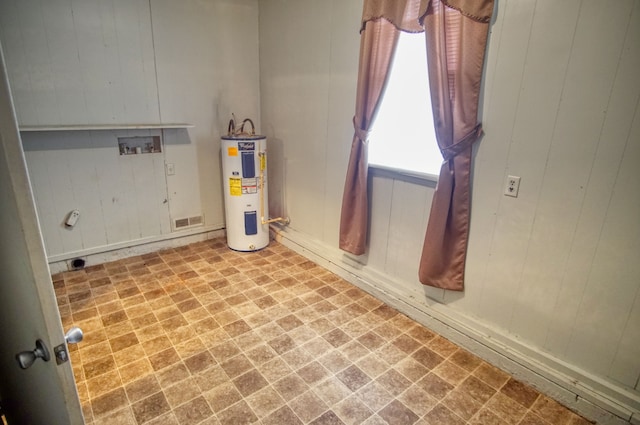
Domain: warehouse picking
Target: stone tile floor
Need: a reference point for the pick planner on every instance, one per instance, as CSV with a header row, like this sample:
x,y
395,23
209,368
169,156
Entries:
x,y
204,335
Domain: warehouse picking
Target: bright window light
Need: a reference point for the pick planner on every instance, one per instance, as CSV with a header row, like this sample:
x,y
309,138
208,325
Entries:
x,y
403,137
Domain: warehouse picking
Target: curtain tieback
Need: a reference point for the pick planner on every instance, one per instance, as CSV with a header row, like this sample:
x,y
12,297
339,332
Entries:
x,y
451,151
361,134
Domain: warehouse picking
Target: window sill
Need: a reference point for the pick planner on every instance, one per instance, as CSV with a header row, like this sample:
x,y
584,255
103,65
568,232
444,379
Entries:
x,y
424,179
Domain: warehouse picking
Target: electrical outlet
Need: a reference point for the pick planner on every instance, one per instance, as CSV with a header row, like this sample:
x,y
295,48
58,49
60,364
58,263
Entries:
x,y
171,169
512,186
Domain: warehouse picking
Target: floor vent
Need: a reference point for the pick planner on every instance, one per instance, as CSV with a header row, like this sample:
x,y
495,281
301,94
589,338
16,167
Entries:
x,y
182,223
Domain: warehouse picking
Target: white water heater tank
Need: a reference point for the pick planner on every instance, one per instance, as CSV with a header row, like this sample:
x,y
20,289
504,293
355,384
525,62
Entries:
x,y
244,174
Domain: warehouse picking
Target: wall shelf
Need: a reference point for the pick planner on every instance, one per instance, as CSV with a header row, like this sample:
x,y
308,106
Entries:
x,y
91,127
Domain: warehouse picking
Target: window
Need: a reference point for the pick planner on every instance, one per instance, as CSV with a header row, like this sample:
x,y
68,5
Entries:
x,y
403,137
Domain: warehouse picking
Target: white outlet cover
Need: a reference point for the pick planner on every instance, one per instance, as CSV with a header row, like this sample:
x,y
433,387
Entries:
x,y
171,169
512,186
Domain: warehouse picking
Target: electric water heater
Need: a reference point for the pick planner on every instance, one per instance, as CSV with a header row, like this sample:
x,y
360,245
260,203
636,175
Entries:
x,y
244,174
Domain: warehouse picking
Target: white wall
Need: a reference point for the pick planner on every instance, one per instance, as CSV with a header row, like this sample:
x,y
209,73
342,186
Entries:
x,y
74,62
121,198
207,58
552,274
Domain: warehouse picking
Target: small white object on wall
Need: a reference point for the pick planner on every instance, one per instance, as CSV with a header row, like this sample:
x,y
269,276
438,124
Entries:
x,y
512,187
72,219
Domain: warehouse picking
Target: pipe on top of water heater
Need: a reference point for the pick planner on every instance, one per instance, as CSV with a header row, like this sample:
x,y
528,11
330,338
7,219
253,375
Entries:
x,y
231,129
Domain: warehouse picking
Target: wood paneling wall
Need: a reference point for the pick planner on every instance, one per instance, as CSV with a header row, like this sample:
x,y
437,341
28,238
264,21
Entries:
x,y
116,62
80,62
121,198
556,269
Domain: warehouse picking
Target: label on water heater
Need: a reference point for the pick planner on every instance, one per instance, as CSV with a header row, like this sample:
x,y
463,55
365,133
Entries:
x,y
250,223
246,146
248,164
232,151
235,186
249,186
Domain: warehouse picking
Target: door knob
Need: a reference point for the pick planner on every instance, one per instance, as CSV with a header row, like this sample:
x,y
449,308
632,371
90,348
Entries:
x,y
27,358
74,335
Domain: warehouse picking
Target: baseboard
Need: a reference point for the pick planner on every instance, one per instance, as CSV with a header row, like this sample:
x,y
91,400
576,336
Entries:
x,y
104,254
592,397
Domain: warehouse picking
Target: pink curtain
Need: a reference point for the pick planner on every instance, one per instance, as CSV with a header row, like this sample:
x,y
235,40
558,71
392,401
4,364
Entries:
x,y
456,34
381,25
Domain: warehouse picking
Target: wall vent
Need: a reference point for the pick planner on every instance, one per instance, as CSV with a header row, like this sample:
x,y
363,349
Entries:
x,y
182,223
194,221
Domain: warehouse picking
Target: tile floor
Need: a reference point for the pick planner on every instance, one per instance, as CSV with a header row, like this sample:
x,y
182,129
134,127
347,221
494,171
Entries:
x,y
205,335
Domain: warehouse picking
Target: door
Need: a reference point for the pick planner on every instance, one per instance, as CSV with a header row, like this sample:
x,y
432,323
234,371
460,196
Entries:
x,y
45,393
